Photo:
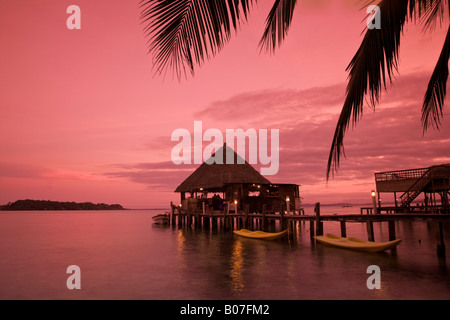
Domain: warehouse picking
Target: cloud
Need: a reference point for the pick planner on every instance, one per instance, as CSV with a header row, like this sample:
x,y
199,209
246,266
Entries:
x,y
157,176
387,138
283,107
26,171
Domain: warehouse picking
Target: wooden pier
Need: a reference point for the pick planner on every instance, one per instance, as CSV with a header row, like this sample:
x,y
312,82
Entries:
x,y
264,220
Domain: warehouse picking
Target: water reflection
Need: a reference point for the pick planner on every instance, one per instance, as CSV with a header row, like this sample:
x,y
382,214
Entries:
x,y
181,240
217,265
237,268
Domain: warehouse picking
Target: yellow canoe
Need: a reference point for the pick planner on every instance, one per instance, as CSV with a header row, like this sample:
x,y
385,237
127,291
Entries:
x,y
260,234
356,244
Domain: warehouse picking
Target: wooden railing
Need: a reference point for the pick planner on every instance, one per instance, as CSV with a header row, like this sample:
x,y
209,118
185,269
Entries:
x,y
439,171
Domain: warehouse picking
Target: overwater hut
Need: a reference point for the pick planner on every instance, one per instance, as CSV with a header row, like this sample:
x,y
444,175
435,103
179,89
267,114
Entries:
x,y
233,186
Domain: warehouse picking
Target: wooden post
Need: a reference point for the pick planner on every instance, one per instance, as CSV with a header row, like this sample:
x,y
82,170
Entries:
x,y
180,218
263,222
172,216
343,229
391,226
370,235
282,219
319,224
194,220
311,229
214,222
440,239
246,210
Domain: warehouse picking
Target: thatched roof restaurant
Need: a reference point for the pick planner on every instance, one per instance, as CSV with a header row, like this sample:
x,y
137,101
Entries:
x,y
219,185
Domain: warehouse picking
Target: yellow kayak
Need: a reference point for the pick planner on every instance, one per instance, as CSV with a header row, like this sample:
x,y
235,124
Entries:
x,y
260,234
356,244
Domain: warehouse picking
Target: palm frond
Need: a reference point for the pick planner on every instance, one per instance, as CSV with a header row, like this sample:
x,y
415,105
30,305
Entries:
x,y
277,24
372,65
184,33
433,102
428,12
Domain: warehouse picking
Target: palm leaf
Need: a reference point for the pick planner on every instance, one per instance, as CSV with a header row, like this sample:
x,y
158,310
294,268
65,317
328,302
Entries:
x,y
185,33
371,66
437,88
428,12
277,24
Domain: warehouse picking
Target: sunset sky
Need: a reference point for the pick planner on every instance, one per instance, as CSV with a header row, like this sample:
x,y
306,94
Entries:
x,y
84,117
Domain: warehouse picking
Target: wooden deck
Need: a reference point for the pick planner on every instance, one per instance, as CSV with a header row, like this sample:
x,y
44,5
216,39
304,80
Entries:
x,y
261,221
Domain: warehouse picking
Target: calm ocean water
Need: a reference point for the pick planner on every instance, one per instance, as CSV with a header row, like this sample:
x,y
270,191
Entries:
x,y
122,255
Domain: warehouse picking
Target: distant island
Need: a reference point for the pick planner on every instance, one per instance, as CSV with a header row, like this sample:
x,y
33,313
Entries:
x,y
26,205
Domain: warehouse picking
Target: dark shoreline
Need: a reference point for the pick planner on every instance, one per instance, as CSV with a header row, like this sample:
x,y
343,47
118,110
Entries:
x,y
47,205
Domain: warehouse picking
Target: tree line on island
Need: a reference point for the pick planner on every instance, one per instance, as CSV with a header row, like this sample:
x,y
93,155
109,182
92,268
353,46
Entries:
x,y
57,205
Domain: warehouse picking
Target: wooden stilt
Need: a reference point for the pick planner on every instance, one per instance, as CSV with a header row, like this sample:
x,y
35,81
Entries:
x,y
172,216
343,229
370,235
264,219
391,226
246,210
311,229
282,219
440,239
319,224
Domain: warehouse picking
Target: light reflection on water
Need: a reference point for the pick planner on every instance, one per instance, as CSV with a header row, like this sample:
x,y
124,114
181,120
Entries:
x,y
123,256
237,268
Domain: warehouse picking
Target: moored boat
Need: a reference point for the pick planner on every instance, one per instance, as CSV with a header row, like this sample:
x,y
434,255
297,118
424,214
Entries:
x,y
260,234
356,244
162,218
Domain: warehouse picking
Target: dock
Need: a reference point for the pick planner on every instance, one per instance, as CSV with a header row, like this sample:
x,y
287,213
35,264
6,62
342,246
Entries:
x,y
263,220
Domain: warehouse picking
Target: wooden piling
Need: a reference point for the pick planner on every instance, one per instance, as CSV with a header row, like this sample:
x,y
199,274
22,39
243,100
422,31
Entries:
x,y
264,219
391,227
440,240
319,224
370,234
172,216
246,211
343,229
179,219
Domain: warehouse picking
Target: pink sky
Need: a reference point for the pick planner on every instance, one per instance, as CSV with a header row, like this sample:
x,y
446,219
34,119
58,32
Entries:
x,y
83,118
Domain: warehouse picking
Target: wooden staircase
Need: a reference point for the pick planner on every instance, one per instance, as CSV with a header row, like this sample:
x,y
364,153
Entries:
x,y
434,172
412,193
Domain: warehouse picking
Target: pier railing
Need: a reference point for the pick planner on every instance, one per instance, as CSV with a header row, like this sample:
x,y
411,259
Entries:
x,y
439,171
400,175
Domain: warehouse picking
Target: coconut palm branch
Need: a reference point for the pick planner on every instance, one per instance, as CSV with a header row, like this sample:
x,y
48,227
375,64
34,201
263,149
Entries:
x,y
375,62
277,24
185,33
432,109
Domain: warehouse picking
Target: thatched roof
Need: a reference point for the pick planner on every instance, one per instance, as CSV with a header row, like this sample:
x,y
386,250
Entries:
x,y
216,176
